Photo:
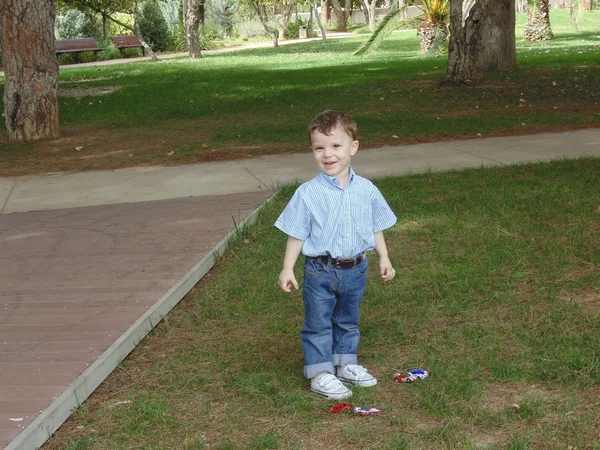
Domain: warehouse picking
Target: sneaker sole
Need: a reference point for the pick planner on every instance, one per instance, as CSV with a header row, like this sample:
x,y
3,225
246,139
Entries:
x,y
332,396
363,383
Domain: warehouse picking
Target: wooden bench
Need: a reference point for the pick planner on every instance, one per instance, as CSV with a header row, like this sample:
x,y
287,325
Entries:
x,y
131,41
76,46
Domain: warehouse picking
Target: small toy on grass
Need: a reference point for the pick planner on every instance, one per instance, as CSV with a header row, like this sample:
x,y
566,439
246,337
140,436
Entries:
x,y
420,374
366,412
411,376
341,407
404,378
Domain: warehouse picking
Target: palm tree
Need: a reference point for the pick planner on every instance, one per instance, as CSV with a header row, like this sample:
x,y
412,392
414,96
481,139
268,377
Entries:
x,y
435,23
538,21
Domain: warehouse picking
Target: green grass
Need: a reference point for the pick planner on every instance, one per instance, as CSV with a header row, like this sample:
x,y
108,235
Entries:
x,y
496,294
259,101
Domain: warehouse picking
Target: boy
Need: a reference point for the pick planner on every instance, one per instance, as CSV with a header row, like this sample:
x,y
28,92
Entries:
x,y
334,219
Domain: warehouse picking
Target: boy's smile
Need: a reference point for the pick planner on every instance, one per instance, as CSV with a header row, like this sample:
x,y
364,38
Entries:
x,y
333,153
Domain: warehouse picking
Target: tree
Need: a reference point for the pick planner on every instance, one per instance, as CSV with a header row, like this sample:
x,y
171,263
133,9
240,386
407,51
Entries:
x,y
435,25
260,7
538,21
499,50
192,22
30,69
481,38
107,10
466,42
341,14
369,9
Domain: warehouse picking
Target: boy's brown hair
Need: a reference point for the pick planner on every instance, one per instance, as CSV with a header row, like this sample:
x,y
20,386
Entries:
x,y
329,120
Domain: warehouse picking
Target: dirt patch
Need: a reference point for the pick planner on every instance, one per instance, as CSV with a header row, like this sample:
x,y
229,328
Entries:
x,y
588,301
499,397
86,91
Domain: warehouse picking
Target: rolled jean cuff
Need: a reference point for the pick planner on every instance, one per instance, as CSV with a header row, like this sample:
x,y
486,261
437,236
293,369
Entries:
x,y
313,370
345,359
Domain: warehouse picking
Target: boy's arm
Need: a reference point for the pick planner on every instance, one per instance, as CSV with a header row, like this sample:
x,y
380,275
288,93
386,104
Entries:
x,y
385,265
292,251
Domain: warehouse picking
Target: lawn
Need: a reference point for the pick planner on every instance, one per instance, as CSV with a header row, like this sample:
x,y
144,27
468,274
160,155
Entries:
x,y
497,295
256,102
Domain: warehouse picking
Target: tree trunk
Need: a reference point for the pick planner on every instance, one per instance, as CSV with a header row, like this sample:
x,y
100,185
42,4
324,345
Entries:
x,y
465,47
499,51
326,12
321,27
185,25
339,15
30,69
369,7
538,22
192,18
264,19
288,9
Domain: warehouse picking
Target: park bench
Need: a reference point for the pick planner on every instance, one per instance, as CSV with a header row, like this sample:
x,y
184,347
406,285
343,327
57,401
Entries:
x,y
131,41
76,46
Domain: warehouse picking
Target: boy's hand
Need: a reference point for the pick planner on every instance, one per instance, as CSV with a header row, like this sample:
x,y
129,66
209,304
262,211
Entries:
x,y
385,269
287,280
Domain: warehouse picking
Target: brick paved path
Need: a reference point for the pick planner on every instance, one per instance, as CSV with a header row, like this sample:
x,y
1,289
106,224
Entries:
x,y
73,280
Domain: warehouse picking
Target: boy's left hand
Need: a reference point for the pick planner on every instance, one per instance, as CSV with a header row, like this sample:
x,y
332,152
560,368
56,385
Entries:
x,y
386,270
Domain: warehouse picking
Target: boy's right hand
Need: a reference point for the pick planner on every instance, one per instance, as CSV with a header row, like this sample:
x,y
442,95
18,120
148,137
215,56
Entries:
x,y
287,280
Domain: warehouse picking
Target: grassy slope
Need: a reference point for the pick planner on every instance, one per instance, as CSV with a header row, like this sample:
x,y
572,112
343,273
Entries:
x,y
259,101
496,294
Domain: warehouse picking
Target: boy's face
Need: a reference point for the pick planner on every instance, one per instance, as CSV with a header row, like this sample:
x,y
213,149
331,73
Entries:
x,y
333,152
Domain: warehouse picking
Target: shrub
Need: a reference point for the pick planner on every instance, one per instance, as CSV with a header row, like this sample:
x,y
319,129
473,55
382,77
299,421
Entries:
x,y
178,42
153,26
222,13
293,29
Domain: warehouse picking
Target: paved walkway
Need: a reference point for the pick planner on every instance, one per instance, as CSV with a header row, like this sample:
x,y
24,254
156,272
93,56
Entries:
x,y
90,262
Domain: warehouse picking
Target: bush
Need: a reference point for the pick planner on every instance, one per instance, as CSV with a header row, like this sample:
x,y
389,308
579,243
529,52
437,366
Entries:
x,y
293,29
74,24
222,13
153,26
205,38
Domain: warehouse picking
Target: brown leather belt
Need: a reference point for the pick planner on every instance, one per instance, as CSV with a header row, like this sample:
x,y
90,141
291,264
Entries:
x,y
342,263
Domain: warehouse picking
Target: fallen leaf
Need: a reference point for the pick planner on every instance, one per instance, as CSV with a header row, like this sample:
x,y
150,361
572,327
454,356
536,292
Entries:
x,y
79,148
171,153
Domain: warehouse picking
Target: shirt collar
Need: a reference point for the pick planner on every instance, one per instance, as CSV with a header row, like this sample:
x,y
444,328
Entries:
x,y
333,181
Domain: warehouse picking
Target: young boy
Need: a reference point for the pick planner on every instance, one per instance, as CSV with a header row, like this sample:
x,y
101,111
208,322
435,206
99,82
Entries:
x,y
334,219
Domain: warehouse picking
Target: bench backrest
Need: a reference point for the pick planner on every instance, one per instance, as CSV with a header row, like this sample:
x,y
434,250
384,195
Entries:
x,y
126,41
76,44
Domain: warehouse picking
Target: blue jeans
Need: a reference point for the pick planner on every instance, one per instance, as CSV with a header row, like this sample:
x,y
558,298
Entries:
x,y
332,299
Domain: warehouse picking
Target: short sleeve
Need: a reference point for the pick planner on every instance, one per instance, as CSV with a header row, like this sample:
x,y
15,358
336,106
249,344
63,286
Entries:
x,y
383,216
295,218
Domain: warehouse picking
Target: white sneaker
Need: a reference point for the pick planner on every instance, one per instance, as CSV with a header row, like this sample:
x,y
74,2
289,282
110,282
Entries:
x,y
327,385
357,375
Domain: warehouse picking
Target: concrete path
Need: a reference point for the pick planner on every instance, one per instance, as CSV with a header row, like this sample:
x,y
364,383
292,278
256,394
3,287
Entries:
x,y
219,178
90,262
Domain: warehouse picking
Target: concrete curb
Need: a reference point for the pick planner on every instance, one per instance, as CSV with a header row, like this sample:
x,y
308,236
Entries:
x,y
6,188
42,428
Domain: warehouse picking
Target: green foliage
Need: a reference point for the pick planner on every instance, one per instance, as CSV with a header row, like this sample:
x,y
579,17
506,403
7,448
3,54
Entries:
x,y
436,11
205,39
153,26
222,13
293,29
73,24
384,29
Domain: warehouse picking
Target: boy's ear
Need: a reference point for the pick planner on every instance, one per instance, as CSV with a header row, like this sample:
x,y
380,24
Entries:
x,y
354,148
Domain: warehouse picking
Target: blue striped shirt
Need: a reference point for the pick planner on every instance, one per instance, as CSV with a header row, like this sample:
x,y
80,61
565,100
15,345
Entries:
x,y
335,221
